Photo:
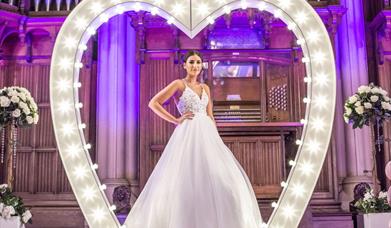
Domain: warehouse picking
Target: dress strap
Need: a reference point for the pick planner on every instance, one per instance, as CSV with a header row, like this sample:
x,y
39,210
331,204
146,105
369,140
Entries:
x,y
184,81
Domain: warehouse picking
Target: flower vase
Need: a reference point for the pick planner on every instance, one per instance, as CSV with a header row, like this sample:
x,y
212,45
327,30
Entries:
x,y
373,220
10,155
375,146
13,222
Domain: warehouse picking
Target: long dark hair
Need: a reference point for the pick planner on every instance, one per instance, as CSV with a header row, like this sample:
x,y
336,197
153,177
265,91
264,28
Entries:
x,y
191,53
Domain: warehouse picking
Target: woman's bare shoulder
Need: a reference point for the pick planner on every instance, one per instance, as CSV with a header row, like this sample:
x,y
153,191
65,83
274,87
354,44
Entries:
x,y
205,86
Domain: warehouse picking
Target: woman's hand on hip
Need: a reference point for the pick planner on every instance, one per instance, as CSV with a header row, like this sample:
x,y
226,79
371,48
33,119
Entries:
x,y
186,115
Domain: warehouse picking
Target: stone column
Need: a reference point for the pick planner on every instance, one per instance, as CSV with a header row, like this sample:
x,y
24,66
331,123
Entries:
x,y
117,104
353,69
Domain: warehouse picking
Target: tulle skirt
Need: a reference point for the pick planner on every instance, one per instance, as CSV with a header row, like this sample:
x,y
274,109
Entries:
x,y
197,183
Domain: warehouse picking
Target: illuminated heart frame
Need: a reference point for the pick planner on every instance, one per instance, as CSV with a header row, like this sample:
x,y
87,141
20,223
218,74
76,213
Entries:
x,y
82,23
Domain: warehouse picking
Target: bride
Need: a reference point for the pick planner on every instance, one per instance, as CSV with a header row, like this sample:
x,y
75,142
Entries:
x,y
197,182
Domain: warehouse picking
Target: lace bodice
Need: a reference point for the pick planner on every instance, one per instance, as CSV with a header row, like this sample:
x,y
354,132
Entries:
x,y
190,101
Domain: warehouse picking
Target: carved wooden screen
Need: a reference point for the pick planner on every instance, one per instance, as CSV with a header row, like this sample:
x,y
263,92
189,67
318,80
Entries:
x,y
155,74
38,165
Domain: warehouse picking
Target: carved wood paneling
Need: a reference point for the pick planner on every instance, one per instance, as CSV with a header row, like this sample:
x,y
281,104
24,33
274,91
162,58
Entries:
x,y
262,158
155,74
44,175
39,168
384,72
23,164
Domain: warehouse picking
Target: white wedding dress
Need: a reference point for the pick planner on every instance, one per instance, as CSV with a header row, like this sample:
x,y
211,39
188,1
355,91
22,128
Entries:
x,y
197,182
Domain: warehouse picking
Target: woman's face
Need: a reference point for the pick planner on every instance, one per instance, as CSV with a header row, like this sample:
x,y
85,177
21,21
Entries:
x,y
193,65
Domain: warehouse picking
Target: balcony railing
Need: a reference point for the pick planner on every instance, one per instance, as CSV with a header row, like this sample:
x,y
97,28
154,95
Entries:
x,y
53,7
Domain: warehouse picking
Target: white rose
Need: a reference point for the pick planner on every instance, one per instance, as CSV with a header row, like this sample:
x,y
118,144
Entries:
x,y
8,211
33,106
26,111
357,104
383,92
382,195
352,99
375,90
386,98
364,89
22,105
22,96
367,196
384,105
4,101
12,93
15,99
359,110
1,207
367,105
36,118
3,186
26,216
346,119
348,111
16,113
30,119
25,91
374,98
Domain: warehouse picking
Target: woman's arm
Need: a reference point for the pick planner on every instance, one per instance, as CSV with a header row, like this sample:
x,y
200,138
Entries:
x,y
209,108
161,97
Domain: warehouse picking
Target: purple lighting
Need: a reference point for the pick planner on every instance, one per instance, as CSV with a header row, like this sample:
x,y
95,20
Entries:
x,y
117,101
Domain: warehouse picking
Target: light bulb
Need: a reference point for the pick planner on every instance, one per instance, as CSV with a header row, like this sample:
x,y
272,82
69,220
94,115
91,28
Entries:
x,y
94,166
262,6
243,4
137,7
307,79
79,105
154,11
79,65
277,13
103,187
91,31
170,20
292,163
306,100
300,41
291,26
87,146
120,9
210,20
227,9
178,9
82,47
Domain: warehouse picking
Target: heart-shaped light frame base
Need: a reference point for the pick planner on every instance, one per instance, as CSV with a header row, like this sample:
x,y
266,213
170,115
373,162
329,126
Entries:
x,y
191,17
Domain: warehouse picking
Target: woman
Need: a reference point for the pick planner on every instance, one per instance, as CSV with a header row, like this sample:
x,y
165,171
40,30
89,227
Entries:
x,y
197,182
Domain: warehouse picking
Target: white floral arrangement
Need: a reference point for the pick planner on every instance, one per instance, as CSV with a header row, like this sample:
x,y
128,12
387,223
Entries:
x,y
371,203
18,106
370,104
11,205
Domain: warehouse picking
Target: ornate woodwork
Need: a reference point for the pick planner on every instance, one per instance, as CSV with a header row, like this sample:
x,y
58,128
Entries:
x,y
381,29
